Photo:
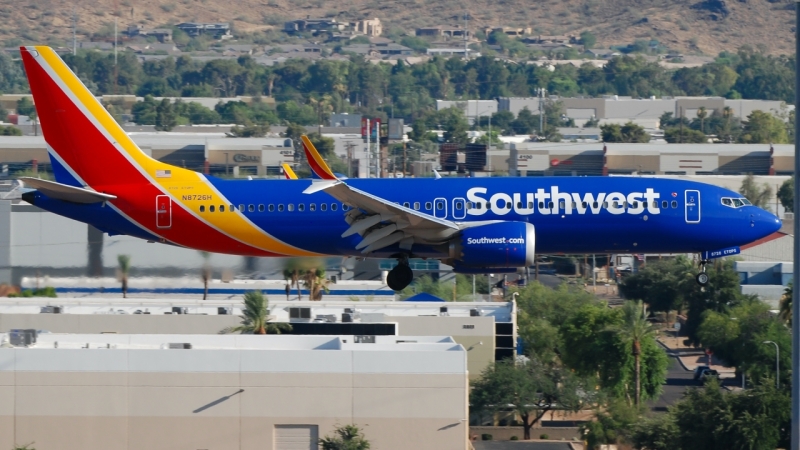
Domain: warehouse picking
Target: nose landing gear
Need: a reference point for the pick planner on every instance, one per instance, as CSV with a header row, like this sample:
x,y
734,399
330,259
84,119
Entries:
x,y
401,276
702,277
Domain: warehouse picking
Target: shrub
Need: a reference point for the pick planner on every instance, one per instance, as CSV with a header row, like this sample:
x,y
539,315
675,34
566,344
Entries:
x,y
514,438
544,436
486,437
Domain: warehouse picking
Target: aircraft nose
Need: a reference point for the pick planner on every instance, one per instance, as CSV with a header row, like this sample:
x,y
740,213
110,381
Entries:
x,y
763,223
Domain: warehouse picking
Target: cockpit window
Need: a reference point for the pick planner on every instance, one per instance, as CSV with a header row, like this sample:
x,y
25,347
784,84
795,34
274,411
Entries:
x,y
735,202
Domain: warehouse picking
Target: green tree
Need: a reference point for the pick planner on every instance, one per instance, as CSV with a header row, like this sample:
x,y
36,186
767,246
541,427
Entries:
x,y
706,418
634,329
124,262
611,424
250,130
758,195
348,437
166,119
786,194
454,124
588,40
525,123
630,132
530,389
677,135
255,317
595,349
25,106
764,128
664,285
10,130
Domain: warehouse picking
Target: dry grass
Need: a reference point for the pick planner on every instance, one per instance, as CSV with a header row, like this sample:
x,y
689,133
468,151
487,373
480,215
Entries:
x,y
672,22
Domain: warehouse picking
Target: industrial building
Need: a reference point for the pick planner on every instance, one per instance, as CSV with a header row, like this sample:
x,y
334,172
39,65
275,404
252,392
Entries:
x,y
111,391
486,329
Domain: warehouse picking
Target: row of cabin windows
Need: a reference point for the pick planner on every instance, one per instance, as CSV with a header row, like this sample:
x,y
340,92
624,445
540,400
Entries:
x,y
271,208
428,205
562,205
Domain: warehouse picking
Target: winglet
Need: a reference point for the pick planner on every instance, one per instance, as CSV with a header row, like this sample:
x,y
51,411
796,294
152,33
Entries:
x,y
318,165
288,172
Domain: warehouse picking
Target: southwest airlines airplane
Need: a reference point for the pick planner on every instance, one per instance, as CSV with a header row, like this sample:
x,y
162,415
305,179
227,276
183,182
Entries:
x,y
476,225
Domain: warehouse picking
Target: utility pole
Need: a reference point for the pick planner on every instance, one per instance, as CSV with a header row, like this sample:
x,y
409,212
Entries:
x,y
404,159
795,430
466,49
369,150
541,93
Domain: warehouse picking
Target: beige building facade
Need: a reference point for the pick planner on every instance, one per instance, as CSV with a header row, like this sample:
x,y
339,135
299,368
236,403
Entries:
x,y
231,392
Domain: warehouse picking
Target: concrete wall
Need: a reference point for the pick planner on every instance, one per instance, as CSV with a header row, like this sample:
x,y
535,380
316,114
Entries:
x,y
105,399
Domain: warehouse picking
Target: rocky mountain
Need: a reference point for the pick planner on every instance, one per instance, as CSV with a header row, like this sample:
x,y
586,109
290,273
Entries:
x,y
690,26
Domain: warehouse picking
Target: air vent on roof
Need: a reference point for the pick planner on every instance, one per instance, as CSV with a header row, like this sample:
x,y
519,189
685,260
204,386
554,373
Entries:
x,y
179,310
179,346
347,318
299,313
364,339
51,309
224,311
474,312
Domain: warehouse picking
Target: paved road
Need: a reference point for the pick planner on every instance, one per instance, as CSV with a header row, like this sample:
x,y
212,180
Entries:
x,y
678,380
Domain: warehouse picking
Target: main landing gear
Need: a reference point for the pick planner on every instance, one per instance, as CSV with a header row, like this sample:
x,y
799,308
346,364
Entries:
x,y
702,277
401,276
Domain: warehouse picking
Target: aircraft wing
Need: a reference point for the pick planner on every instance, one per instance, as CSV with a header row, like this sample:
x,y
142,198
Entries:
x,y
66,192
380,222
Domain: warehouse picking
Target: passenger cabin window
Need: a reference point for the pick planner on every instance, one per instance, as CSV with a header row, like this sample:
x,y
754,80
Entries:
x,y
211,208
312,207
280,208
301,207
416,206
221,208
202,208
665,204
251,208
323,207
290,207
271,208
260,208
429,205
674,204
334,206
406,204
241,208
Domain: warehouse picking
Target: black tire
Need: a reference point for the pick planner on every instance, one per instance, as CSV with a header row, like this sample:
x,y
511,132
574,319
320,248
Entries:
x,y
702,278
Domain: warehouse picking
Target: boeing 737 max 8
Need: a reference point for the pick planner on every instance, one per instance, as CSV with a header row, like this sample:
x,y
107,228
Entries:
x,y
475,225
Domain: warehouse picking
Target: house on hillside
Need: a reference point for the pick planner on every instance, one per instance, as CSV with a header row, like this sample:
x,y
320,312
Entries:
x,y
217,30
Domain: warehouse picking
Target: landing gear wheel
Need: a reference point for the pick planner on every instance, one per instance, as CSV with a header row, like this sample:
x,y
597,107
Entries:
x,y
400,277
702,277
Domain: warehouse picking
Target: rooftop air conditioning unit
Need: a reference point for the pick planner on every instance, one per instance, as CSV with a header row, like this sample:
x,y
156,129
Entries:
x,y
347,318
361,339
179,310
22,338
474,312
224,311
443,311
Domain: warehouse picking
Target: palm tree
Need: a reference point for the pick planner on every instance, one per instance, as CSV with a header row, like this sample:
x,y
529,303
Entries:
x,y
124,269
206,273
786,305
702,113
633,329
255,317
315,282
292,275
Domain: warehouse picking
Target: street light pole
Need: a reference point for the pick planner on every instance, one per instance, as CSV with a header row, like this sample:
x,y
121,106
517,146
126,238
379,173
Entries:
x,y
795,430
777,363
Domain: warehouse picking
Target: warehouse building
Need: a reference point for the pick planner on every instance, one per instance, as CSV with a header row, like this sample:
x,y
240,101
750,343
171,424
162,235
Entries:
x,y
486,329
151,392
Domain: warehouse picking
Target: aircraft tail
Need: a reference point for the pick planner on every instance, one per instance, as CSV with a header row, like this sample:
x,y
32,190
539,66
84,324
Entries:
x,y
86,145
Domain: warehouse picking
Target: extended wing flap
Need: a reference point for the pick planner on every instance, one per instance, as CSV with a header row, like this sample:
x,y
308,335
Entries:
x,y
66,192
381,223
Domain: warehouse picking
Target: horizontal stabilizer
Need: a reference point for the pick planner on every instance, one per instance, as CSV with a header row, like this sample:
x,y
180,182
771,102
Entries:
x,y
66,192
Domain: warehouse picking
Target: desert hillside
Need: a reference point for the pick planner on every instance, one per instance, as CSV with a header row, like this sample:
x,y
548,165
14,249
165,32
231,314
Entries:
x,y
706,27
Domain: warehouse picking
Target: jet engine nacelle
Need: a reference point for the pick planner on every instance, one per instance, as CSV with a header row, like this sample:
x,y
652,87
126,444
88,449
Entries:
x,y
494,245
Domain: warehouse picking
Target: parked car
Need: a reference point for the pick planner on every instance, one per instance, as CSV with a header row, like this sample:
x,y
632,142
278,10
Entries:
x,y
698,371
708,374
